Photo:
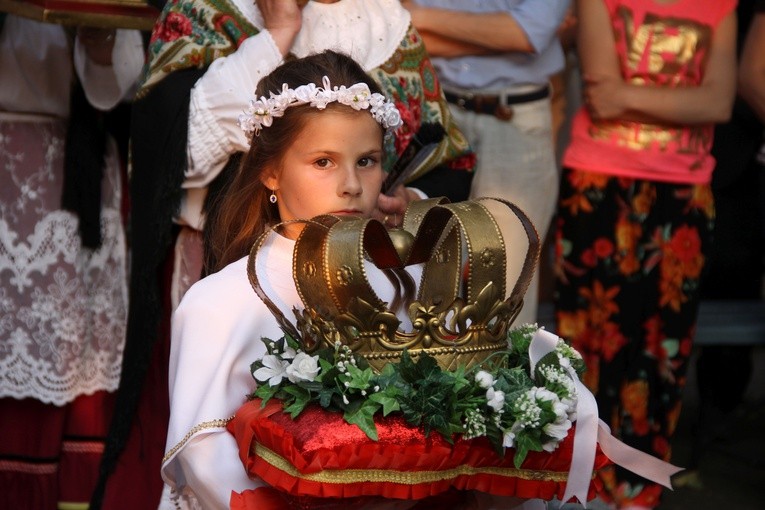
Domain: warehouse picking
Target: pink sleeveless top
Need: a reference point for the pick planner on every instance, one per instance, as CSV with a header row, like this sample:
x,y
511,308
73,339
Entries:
x,y
658,45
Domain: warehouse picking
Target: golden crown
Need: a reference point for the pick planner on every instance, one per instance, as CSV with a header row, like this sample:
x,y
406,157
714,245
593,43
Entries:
x,y
458,317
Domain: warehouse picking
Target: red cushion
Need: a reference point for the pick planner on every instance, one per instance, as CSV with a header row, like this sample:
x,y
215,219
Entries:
x,y
319,455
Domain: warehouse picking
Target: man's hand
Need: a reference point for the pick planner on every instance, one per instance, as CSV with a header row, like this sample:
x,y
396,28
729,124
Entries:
x,y
390,209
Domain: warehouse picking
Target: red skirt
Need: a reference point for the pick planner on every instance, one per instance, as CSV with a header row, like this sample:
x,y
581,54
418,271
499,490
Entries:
x,y
51,454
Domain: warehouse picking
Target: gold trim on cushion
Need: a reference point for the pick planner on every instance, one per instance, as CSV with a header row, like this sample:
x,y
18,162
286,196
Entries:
x,y
347,476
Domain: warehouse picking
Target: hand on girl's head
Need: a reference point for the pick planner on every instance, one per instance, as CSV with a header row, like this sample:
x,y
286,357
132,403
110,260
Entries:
x,y
332,166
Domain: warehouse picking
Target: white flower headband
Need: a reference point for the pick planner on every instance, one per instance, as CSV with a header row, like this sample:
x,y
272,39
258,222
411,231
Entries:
x,y
262,111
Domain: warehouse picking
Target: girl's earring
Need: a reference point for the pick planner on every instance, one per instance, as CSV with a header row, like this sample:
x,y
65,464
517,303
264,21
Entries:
x,y
272,198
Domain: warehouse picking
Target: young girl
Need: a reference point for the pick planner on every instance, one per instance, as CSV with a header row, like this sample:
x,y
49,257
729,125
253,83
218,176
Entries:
x,y
636,212
308,161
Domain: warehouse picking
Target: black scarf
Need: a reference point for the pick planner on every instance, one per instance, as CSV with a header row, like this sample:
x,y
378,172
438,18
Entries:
x,y
159,129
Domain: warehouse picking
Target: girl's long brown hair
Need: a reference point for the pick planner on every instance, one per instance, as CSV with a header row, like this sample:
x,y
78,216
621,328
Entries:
x,y
241,211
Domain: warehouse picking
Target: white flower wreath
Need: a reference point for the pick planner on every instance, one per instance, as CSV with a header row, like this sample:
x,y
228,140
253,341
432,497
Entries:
x,y
262,111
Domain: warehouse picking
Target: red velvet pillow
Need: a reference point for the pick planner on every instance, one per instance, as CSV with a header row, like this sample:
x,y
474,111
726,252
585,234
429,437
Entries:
x,y
319,455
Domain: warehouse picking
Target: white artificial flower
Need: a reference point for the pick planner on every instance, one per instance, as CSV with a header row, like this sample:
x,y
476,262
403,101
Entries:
x,y
273,370
496,399
561,410
484,379
289,352
557,430
546,395
303,368
550,446
508,439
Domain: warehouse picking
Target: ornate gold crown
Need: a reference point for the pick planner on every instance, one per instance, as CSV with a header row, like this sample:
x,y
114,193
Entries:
x,y
458,317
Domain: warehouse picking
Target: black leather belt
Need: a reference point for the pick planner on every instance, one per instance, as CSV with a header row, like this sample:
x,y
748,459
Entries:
x,y
499,106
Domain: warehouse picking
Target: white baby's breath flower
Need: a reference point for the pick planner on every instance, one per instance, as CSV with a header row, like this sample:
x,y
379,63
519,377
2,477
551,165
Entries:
x,y
303,368
496,399
272,371
484,379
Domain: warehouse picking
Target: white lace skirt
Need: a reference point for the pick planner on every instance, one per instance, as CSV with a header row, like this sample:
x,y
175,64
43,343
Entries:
x,y
63,308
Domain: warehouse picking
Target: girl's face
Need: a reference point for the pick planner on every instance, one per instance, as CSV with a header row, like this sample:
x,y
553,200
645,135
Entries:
x,y
333,166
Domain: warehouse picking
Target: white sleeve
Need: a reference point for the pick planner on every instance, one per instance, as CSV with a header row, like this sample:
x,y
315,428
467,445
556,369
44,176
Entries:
x,y
105,86
216,334
217,100
208,469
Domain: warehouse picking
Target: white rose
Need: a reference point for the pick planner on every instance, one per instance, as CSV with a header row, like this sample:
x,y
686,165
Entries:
x,y
303,368
392,117
508,439
484,379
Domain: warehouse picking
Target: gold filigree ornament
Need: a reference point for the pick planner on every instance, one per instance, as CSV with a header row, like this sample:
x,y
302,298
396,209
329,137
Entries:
x,y
459,316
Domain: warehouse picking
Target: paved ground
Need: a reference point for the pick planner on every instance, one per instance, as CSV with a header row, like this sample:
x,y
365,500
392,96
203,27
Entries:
x,y
732,470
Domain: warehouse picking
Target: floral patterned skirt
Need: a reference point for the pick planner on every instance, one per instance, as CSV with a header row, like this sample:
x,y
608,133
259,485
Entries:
x,y
630,256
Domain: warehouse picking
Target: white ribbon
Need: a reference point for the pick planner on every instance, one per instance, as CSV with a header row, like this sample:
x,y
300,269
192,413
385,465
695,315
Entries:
x,y
591,431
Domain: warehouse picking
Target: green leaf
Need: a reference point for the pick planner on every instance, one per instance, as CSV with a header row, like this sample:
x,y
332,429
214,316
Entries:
x,y
363,417
388,402
296,407
301,398
525,442
265,392
359,378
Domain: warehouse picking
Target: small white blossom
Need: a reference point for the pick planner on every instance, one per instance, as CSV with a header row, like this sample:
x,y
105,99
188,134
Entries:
x,y
484,379
550,446
273,370
475,424
289,352
496,399
557,430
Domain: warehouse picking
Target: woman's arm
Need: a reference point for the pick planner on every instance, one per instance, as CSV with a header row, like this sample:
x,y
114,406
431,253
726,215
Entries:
x,y
751,78
440,46
494,31
608,96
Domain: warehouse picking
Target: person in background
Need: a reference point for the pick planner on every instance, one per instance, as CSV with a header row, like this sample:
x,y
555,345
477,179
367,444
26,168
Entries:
x,y
495,59
63,281
204,62
636,211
